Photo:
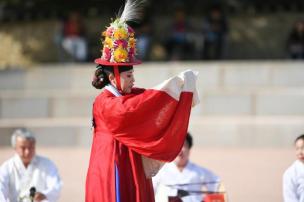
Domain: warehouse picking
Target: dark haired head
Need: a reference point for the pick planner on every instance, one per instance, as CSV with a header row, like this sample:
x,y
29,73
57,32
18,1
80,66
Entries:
x,y
189,140
101,76
301,137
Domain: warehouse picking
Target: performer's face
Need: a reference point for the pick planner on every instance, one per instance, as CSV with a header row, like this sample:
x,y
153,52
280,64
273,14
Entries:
x,y
25,149
300,149
182,159
126,80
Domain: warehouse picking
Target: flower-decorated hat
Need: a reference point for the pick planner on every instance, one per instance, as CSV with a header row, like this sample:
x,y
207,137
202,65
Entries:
x,y
119,44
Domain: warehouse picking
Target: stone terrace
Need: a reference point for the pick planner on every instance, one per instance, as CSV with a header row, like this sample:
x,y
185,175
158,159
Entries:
x,y
251,104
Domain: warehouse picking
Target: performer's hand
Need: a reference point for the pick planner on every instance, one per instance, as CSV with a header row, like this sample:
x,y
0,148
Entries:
x,y
39,197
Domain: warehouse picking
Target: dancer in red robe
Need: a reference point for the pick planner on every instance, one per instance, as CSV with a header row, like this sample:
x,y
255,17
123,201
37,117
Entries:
x,y
135,130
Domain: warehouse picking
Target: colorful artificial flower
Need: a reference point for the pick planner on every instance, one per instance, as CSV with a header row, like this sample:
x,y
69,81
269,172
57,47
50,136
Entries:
x,y
106,53
131,31
120,55
109,31
132,42
131,54
120,43
120,33
132,51
108,42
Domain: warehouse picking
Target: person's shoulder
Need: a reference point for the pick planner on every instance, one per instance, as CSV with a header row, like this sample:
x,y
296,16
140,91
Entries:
x,y
169,165
167,168
105,93
298,166
44,159
45,162
103,96
293,166
7,163
196,167
292,169
200,170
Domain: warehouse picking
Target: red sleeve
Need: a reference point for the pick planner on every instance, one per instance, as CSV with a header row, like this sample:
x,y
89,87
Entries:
x,y
151,123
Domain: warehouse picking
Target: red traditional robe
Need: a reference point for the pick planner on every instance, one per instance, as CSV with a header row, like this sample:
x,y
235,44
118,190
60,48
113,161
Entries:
x,y
151,123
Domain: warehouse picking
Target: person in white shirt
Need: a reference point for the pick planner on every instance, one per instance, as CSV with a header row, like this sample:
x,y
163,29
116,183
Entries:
x,y
27,171
293,178
183,178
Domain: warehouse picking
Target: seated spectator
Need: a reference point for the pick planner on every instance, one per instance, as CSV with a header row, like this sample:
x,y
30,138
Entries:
x,y
178,45
215,33
293,178
295,42
184,179
26,176
58,39
74,41
144,38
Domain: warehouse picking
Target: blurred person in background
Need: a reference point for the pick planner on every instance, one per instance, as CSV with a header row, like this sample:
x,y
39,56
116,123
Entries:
x,y
144,39
295,42
215,29
26,176
74,41
181,178
57,39
178,45
293,178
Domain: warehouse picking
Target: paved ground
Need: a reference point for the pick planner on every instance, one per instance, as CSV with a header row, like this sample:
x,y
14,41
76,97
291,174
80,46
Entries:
x,y
250,175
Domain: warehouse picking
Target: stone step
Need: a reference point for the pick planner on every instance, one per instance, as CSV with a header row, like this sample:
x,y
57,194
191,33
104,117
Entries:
x,y
62,103
46,104
216,131
226,74
246,131
255,102
50,132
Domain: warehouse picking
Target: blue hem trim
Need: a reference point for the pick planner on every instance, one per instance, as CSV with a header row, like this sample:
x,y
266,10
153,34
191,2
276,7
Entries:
x,y
117,184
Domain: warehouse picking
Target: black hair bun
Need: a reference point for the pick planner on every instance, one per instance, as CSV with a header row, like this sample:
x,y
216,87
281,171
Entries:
x,y
100,79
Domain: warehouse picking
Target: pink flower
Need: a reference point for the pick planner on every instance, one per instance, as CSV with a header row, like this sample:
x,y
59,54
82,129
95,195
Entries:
x,y
131,54
130,30
120,43
132,51
109,31
106,53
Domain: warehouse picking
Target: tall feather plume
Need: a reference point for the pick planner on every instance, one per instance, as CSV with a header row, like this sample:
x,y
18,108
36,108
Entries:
x,y
133,10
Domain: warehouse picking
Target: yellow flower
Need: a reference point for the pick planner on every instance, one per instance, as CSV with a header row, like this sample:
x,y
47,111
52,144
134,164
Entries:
x,y
120,33
132,42
120,55
108,42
